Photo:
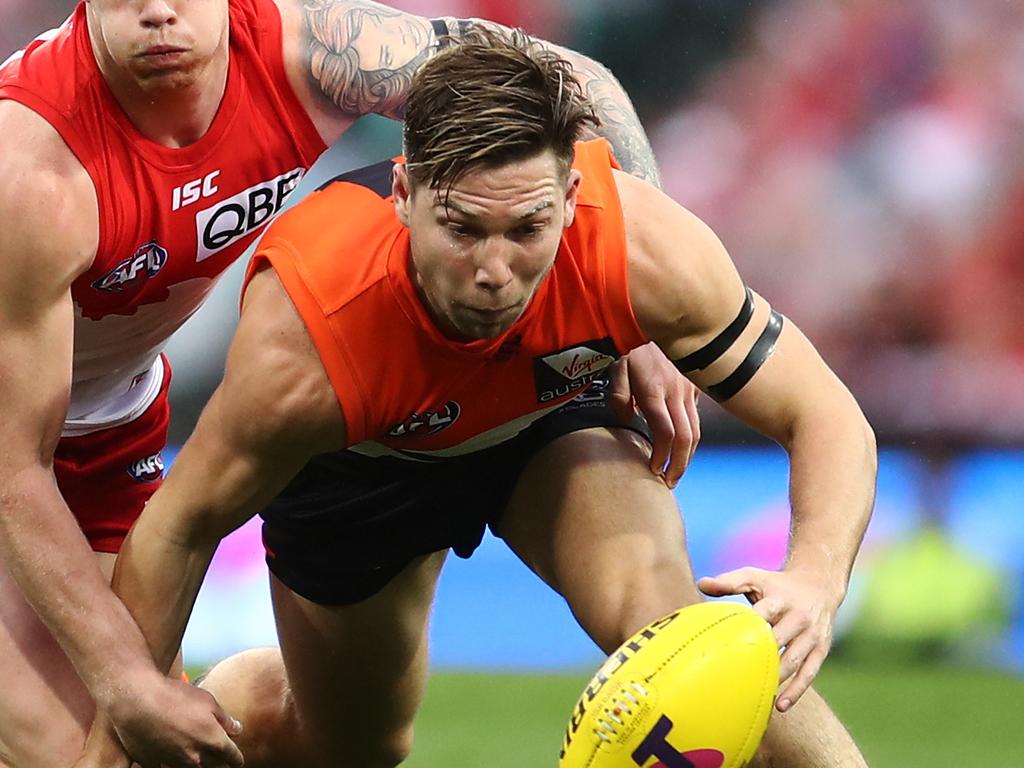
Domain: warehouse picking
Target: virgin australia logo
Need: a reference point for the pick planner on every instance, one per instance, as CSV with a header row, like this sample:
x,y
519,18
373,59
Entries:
x,y
571,370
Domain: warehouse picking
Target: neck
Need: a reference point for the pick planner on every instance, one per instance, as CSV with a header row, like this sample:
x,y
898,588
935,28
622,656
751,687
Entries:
x,y
173,115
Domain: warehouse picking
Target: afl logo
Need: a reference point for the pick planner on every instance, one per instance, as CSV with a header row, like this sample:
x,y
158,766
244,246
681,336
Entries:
x,y
148,469
148,259
427,423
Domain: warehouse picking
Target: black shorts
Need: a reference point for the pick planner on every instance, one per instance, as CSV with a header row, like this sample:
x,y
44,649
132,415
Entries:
x,y
347,524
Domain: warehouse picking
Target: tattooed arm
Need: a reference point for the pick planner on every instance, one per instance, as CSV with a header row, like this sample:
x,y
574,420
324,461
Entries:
x,y
358,57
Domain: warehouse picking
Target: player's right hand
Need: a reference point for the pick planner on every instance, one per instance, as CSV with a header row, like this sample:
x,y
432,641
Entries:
x,y
169,724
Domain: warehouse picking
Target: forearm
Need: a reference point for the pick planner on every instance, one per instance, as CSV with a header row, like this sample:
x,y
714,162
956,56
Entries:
x,y
158,575
45,551
832,486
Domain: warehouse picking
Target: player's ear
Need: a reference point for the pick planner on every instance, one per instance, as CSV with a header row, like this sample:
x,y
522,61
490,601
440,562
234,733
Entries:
x,y
572,191
401,190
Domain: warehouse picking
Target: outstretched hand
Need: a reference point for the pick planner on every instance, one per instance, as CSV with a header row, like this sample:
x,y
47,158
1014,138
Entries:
x,y
646,380
169,724
801,611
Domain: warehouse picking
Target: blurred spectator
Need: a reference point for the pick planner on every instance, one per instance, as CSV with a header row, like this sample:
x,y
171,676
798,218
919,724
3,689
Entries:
x,y
861,162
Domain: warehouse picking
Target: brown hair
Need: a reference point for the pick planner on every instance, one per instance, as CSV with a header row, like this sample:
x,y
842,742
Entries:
x,y
488,100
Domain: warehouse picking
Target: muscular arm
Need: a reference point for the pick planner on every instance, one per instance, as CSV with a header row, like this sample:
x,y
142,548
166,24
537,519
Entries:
x,y
273,410
361,56
48,237
685,292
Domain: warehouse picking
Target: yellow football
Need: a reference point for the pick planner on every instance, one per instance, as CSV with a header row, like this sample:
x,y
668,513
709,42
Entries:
x,y
691,690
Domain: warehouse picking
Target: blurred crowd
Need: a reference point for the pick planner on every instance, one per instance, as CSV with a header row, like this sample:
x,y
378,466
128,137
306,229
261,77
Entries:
x,y
863,161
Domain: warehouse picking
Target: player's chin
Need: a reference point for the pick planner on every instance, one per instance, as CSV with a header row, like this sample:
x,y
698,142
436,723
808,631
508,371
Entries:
x,y
156,79
473,327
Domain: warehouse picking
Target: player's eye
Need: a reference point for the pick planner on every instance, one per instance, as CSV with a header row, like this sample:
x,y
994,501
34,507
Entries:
x,y
460,230
527,231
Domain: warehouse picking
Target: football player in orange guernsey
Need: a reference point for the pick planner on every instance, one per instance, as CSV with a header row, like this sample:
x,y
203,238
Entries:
x,y
414,341
144,144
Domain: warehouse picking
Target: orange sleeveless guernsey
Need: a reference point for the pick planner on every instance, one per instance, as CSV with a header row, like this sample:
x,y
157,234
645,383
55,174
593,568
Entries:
x,y
404,388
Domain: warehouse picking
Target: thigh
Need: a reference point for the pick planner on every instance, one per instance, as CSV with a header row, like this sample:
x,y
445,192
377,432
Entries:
x,y
356,673
45,710
106,477
592,521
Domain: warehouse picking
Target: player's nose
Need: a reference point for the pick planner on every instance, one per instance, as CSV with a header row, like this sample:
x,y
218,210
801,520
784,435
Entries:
x,y
157,13
493,265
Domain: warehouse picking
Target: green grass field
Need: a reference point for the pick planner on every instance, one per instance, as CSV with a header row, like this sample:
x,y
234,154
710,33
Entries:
x,y
903,717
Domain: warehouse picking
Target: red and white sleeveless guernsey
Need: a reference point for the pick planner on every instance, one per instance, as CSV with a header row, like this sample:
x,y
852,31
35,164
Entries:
x,y
170,220
406,389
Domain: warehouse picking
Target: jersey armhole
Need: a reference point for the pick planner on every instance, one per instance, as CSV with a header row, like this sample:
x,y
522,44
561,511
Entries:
x,y
268,34
78,147
348,390
606,216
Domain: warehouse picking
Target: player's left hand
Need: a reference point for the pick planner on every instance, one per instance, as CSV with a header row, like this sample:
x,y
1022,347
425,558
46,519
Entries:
x,y
645,380
801,610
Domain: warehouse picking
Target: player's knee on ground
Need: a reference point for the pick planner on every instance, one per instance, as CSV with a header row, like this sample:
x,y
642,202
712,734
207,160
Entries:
x,y
252,687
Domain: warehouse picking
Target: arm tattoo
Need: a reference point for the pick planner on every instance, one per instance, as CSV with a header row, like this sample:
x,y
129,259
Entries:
x,y
619,122
363,54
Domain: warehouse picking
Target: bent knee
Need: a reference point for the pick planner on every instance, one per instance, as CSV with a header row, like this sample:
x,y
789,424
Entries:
x,y
643,594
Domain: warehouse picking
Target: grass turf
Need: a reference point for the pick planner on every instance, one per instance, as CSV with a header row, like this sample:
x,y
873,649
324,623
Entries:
x,y
902,717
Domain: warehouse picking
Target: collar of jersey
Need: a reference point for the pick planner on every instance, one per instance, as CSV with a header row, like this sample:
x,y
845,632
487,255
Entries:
x,y
178,158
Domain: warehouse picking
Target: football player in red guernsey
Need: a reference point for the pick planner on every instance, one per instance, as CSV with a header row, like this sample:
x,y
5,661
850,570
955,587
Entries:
x,y
143,144
411,373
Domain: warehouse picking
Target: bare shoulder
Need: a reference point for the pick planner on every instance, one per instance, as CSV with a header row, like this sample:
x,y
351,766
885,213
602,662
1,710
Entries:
x,y
681,279
47,203
274,375
358,56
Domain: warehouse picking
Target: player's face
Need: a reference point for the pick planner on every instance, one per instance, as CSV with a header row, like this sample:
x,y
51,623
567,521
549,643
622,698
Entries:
x,y
158,43
479,260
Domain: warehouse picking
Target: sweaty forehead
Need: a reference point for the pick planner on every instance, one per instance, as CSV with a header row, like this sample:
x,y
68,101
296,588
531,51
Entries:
x,y
519,189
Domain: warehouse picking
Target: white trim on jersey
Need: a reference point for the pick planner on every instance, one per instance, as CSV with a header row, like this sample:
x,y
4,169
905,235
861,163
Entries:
x,y
131,404
42,38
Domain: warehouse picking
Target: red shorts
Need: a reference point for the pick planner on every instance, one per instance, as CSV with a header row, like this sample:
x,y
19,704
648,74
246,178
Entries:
x,y
106,477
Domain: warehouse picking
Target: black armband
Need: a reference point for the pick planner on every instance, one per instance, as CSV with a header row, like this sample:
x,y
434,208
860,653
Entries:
x,y
761,351
714,349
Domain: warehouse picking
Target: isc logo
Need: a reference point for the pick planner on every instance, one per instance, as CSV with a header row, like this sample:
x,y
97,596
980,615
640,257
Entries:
x,y
231,219
194,190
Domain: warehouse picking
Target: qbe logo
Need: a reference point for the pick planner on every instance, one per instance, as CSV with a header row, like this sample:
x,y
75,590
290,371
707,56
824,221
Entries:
x,y
572,369
148,469
231,219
